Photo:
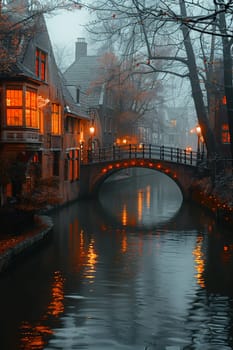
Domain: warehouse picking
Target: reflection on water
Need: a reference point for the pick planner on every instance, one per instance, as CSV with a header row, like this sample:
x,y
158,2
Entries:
x,y
136,270
145,207
33,336
199,261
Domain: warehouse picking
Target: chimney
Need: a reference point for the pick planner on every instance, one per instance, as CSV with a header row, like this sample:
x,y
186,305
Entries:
x,y
81,48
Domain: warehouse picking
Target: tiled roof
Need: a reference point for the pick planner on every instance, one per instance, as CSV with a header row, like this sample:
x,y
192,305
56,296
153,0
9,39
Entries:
x,y
83,73
72,108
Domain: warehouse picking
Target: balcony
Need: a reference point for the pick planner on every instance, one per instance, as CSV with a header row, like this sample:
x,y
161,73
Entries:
x,y
21,135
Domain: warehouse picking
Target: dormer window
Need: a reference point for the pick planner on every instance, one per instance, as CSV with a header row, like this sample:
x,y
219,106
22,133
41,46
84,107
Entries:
x,y
41,58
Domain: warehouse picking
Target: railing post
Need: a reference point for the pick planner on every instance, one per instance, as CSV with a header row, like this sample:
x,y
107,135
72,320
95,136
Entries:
x,y
119,152
171,153
191,157
177,155
143,150
89,156
130,151
113,152
135,151
184,156
161,152
150,151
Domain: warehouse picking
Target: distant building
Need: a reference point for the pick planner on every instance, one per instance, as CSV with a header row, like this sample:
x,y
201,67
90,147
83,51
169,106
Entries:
x,y
42,128
177,127
93,98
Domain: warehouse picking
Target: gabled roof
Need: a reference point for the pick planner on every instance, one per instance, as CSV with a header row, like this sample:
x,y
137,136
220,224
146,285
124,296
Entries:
x,y
72,108
17,30
83,73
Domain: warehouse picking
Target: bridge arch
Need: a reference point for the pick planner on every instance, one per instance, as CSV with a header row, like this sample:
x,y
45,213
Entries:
x,y
96,173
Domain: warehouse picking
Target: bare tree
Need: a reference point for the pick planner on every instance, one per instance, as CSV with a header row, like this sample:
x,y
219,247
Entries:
x,y
143,26
133,93
62,56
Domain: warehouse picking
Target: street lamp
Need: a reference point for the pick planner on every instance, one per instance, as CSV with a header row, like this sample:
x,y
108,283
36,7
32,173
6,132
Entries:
x,y
198,131
92,131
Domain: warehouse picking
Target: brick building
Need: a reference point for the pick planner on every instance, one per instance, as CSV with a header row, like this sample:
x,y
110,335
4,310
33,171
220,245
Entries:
x,y
42,128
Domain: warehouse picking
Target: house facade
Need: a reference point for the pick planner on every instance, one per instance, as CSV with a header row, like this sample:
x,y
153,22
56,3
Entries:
x,y
83,78
42,129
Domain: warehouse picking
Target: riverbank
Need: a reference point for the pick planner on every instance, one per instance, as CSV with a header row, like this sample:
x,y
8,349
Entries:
x,y
215,196
15,245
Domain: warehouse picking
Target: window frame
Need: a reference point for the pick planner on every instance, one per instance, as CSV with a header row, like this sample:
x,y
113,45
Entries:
x,y
14,107
56,119
40,64
31,110
225,134
26,113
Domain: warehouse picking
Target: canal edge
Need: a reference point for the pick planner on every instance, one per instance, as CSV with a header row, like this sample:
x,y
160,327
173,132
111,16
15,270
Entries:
x,y
7,258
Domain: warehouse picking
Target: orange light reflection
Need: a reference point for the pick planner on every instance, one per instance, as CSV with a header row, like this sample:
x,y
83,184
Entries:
x,y
140,205
56,306
91,262
148,196
199,262
124,244
124,216
33,337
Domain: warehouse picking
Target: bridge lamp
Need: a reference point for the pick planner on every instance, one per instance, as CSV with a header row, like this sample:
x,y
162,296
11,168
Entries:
x,y
188,149
198,131
92,130
90,144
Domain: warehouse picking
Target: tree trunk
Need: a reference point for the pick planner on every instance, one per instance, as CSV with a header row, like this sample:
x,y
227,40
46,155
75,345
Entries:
x,y
203,120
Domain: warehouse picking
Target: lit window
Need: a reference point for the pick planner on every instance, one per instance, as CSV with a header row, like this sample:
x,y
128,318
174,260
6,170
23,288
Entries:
x,y
56,119
14,104
224,100
31,109
21,107
225,133
40,64
173,122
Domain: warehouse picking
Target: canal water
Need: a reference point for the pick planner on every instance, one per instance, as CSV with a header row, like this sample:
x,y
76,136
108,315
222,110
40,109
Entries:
x,y
135,270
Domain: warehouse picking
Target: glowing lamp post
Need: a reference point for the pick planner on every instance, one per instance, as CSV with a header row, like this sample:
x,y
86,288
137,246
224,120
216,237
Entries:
x,y
198,131
92,131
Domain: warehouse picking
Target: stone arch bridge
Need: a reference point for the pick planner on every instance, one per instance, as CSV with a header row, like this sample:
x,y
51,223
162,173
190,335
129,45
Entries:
x,y
179,164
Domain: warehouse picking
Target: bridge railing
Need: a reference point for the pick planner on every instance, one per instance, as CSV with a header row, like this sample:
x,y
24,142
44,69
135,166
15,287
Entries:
x,y
145,151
